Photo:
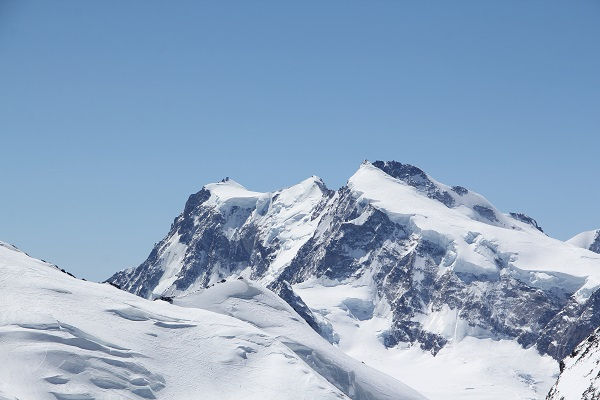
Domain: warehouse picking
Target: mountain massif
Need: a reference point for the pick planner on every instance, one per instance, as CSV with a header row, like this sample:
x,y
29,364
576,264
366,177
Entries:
x,y
393,263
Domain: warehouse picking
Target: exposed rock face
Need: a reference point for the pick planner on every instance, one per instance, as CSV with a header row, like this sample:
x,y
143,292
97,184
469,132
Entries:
x,y
527,219
560,337
405,268
595,246
429,251
241,230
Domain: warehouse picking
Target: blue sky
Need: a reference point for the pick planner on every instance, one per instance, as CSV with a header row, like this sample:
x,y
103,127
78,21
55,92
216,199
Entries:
x,y
112,112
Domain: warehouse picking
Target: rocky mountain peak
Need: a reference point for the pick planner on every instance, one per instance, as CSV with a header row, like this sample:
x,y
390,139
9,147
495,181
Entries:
x,y
416,178
526,219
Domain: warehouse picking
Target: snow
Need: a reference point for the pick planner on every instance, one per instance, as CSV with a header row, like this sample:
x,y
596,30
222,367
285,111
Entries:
x,y
285,216
580,378
229,193
250,302
526,249
448,324
469,367
473,365
584,239
478,369
289,220
171,262
63,338
286,220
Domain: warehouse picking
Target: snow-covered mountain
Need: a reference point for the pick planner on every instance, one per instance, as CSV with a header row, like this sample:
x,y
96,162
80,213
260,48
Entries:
x,y
580,372
65,339
589,240
396,259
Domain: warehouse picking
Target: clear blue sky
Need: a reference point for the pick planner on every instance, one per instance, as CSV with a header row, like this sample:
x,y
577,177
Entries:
x,y
113,112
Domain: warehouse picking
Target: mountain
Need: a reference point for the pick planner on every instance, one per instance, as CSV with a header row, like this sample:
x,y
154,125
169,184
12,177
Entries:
x,y
580,372
398,260
63,338
225,228
589,240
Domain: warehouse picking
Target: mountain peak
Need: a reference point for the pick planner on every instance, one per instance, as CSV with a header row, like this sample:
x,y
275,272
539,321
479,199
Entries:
x,y
415,177
226,182
399,170
313,181
229,190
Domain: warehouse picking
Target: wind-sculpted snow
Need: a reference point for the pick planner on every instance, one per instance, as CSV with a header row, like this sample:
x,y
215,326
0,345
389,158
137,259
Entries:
x,y
442,263
62,339
249,302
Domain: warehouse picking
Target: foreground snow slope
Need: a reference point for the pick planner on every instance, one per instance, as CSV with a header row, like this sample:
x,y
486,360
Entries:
x,y
262,308
65,339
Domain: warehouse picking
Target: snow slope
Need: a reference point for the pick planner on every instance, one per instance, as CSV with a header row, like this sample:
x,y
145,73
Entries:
x,y
262,308
64,339
589,240
469,367
580,376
